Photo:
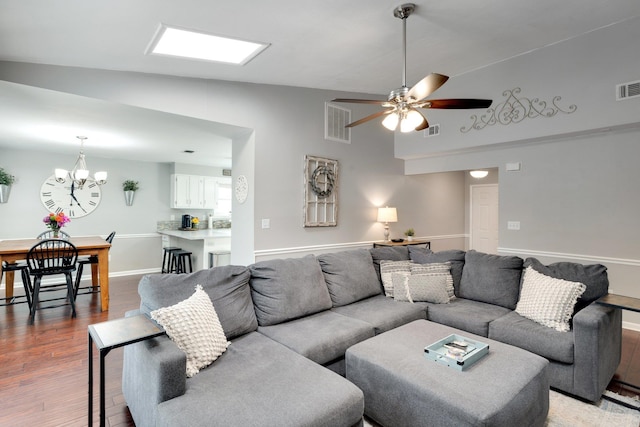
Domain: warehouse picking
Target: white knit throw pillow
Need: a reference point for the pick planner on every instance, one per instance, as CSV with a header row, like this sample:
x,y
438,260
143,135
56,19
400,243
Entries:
x,y
547,300
387,268
194,326
436,268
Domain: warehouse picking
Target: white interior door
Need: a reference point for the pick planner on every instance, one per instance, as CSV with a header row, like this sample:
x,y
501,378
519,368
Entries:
x,y
484,218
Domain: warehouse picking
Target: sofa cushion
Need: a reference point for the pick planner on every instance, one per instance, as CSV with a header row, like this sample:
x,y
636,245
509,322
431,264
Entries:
x,y
227,287
383,313
439,269
285,289
194,326
467,315
455,257
349,275
421,287
387,269
493,279
548,301
243,386
524,333
593,276
321,337
389,253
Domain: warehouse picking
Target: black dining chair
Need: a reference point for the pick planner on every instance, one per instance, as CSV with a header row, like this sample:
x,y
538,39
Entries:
x,y
16,267
46,258
92,259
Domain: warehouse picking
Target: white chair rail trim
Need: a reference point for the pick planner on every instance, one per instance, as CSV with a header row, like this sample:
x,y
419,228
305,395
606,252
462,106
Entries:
x,y
577,257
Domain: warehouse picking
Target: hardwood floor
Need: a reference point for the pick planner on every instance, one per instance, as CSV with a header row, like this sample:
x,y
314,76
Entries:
x,y
43,367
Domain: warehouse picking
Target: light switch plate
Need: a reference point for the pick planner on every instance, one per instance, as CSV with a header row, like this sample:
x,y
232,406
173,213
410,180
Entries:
x,y
266,223
513,225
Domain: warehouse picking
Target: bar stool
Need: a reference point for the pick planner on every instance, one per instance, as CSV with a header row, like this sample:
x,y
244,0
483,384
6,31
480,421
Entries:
x,y
167,258
178,260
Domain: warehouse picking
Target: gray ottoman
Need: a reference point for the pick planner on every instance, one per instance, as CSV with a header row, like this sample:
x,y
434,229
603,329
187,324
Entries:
x,y
508,387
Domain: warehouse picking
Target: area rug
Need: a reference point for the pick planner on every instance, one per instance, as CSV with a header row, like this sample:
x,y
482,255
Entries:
x,y
565,411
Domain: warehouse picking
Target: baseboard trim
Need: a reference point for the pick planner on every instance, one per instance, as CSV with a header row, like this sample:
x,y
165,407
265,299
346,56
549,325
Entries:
x,y
631,326
17,284
576,257
338,246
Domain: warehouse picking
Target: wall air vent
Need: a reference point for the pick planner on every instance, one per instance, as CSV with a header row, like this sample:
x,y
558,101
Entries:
x,y
335,120
433,130
226,172
627,90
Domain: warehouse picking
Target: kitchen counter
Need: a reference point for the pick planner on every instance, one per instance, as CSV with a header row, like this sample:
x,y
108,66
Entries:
x,y
198,234
200,243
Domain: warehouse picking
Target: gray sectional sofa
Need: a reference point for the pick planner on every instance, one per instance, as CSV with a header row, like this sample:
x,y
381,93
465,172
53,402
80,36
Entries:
x,y
290,322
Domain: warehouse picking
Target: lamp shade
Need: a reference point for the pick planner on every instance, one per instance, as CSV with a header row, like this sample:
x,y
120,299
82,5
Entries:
x,y
387,214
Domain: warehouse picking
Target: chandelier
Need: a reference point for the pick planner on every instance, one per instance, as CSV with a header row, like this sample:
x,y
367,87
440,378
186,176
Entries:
x,y
80,174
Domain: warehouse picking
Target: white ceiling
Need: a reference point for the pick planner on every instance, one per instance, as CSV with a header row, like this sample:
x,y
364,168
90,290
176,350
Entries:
x,y
342,45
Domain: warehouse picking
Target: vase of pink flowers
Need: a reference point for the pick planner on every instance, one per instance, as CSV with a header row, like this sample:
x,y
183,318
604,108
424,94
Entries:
x,y
55,221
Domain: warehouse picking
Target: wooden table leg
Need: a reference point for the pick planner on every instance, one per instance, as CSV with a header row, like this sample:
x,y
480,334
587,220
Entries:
x,y
94,275
103,272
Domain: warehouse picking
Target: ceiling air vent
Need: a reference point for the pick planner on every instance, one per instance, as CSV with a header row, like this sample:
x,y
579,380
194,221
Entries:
x,y
335,120
627,90
433,130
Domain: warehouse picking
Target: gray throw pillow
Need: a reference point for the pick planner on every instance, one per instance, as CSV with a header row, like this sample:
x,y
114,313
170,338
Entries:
x,y
388,253
349,275
285,289
227,287
494,279
453,256
593,276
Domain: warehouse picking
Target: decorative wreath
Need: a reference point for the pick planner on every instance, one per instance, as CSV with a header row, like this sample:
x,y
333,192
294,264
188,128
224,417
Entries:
x,y
315,185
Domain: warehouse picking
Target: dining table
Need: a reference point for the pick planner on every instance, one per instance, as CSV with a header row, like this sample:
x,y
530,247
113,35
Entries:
x,y
17,249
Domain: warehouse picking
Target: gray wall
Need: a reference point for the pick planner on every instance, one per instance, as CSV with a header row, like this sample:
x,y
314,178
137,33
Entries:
x,y
576,195
286,124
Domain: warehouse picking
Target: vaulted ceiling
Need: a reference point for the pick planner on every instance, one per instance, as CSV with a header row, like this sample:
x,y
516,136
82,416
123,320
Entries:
x,y
341,45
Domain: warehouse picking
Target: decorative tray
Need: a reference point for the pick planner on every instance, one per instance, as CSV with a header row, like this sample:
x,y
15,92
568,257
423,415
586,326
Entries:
x,y
456,351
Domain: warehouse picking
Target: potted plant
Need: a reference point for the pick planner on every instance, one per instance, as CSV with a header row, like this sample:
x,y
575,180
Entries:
x,y
6,180
409,233
130,187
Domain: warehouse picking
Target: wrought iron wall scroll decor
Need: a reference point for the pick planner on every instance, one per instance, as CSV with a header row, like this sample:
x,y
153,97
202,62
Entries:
x,y
515,109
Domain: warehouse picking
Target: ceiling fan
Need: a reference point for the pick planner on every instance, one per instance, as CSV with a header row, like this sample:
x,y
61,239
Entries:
x,y
403,103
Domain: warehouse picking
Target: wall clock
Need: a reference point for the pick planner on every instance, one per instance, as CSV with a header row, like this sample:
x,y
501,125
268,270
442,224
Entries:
x,y
73,201
241,188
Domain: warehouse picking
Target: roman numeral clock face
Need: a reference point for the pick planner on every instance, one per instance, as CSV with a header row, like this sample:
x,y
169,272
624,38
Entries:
x,y
73,201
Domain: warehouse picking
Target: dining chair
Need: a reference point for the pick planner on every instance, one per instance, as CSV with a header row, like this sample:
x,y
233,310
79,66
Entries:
x,y
91,259
16,267
51,257
49,235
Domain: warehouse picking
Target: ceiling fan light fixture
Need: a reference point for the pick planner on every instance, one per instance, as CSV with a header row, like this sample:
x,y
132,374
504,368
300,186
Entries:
x,y
391,121
410,121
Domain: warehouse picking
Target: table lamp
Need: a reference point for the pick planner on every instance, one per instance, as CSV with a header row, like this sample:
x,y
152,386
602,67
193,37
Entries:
x,y
387,215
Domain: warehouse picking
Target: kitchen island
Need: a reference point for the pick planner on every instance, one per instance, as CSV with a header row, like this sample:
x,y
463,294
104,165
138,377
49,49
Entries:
x,y
200,242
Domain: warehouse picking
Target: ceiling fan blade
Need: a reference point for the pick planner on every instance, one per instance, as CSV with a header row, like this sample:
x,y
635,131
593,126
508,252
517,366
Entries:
x,y
424,124
360,101
371,117
457,103
426,86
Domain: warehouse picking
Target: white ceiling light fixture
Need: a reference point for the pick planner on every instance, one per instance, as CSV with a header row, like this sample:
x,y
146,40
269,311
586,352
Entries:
x,y
80,174
184,43
478,174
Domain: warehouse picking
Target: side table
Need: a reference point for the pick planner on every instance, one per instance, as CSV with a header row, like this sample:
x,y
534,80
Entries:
x,y
625,303
403,243
113,334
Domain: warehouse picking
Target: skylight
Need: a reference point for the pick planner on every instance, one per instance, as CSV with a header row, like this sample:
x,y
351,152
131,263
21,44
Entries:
x,y
185,43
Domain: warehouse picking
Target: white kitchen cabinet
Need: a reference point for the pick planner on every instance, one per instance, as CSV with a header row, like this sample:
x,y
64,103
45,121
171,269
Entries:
x,y
193,191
